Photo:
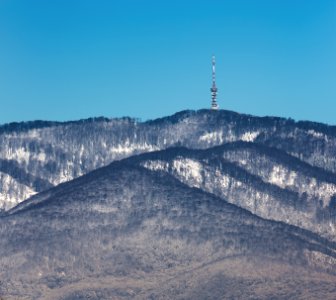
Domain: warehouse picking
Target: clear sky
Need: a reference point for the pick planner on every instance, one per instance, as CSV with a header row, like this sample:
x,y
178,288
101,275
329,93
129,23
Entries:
x,y
68,59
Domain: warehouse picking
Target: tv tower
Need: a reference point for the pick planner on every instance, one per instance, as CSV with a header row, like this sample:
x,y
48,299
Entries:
x,y
214,89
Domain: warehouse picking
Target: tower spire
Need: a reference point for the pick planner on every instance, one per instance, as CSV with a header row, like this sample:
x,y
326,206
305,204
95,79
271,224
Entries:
x,y
214,89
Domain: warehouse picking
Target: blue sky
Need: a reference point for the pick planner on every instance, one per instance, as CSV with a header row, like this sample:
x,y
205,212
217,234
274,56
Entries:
x,y
62,60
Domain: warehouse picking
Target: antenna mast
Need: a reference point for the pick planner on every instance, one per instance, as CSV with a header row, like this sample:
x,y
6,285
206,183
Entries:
x,y
214,89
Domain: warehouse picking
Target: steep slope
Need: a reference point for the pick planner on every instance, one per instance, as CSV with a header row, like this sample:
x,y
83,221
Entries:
x,y
57,152
263,180
123,231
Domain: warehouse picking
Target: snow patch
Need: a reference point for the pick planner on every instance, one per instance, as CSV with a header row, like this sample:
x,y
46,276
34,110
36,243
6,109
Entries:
x,y
315,133
41,157
23,156
281,177
156,165
249,136
320,190
212,137
224,181
12,192
243,162
128,148
19,154
188,169
323,191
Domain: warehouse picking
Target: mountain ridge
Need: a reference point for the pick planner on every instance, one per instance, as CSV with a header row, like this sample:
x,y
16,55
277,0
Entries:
x,y
39,124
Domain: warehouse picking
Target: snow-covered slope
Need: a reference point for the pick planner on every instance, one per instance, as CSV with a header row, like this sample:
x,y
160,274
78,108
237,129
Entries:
x,y
54,152
263,180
